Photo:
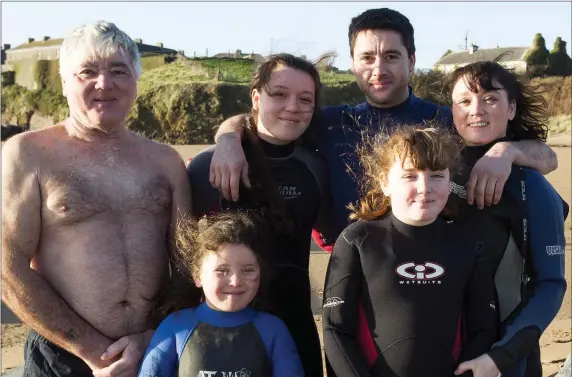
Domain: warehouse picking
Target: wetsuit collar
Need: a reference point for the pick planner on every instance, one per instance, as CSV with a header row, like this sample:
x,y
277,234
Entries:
x,y
428,231
402,107
277,151
471,154
225,319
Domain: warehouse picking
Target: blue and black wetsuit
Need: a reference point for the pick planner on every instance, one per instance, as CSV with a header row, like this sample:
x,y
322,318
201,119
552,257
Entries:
x,y
525,246
394,296
209,343
301,177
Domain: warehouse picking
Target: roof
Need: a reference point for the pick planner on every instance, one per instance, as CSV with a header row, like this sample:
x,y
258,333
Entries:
x,y
511,54
49,42
143,48
256,57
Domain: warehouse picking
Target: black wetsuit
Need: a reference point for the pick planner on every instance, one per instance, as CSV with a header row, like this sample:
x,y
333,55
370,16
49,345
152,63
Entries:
x,y
411,285
525,245
301,177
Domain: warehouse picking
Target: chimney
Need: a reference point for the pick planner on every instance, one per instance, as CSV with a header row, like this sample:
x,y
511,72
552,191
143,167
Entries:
x,y
138,40
6,46
159,44
473,48
30,40
46,38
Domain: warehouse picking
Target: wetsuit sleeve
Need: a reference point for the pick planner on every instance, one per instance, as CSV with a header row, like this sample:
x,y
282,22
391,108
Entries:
x,y
323,232
204,196
280,346
161,359
545,261
340,310
481,319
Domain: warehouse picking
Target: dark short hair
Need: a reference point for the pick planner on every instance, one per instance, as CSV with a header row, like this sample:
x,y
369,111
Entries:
x,y
531,115
382,19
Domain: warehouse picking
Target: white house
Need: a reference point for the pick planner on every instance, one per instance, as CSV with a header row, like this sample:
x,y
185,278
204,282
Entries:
x,y
510,57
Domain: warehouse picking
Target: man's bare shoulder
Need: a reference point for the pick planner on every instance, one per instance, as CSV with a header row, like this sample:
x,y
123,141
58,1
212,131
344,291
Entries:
x,y
33,139
162,151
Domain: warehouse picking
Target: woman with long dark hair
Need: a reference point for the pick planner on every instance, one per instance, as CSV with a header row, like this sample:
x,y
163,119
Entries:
x,y
526,229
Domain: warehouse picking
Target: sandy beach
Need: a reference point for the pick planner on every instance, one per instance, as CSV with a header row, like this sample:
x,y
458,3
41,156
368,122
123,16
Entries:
x,y
555,343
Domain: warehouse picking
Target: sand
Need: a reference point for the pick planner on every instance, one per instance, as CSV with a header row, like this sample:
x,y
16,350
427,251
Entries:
x,y
555,342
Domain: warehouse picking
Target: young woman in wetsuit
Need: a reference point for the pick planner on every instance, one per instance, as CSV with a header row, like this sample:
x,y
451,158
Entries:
x,y
525,241
289,186
400,278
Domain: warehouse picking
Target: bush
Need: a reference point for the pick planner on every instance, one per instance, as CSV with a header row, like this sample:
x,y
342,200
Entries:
x,y
20,103
47,75
429,86
559,63
537,57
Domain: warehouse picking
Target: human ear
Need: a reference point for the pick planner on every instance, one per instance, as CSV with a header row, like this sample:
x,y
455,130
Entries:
x,y
255,99
511,110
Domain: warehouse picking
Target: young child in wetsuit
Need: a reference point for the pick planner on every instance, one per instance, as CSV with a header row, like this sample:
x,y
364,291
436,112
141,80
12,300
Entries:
x,y
224,335
400,278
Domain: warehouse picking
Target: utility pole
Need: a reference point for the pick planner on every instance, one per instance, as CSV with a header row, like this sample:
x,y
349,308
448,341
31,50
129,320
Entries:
x,y
466,39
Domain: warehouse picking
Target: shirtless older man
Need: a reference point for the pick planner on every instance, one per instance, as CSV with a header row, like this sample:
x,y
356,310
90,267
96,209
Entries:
x,y
87,217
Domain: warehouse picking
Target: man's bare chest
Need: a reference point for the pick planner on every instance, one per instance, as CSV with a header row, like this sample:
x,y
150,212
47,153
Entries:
x,y
77,191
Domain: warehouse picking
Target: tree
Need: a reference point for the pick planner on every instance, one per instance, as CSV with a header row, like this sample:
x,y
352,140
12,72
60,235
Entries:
x,y
537,57
559,63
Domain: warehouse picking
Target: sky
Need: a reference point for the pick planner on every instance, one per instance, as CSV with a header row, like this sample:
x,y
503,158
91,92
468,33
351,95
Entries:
x,y
309,28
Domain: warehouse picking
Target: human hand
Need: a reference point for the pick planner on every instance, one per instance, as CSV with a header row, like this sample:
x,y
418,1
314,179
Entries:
x,y
228,167
131,348
489,175
482,366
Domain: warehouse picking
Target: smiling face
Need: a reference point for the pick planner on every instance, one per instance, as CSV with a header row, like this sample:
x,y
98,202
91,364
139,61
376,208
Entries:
x,y
417,196
230,278
482,117
382,66
286,106
100,93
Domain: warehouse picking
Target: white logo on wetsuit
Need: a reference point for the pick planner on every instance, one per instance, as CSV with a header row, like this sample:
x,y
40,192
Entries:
x,y
289,192
426,273
459,190
554,250
333,301
241,373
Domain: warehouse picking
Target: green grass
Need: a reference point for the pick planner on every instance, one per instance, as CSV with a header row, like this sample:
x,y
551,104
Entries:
x,y
231,70
333,78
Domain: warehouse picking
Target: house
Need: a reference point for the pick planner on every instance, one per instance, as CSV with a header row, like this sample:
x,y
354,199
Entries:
x,y
49,49
510,57
239,55
22,59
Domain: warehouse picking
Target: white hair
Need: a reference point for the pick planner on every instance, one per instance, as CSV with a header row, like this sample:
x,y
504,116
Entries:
x,y
96,41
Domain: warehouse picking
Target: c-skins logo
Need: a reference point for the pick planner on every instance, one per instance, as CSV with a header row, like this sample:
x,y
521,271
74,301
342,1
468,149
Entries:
x,y
426,273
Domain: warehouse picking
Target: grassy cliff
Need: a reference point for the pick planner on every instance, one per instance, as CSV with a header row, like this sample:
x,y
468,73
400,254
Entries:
x,y
180,102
